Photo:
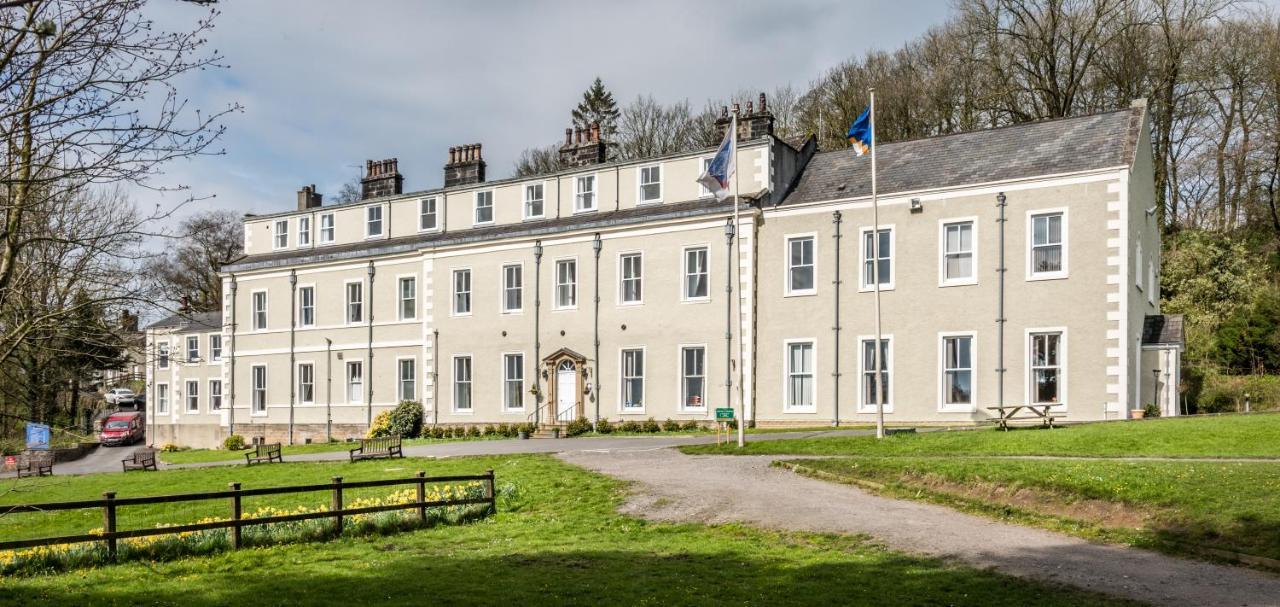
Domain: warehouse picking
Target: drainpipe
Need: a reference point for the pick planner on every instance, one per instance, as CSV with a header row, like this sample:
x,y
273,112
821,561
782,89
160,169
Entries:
x,y
1000,319
537,317
328,390
835,418
435,377
368,369
728,317
152,390
596,245
293,324
231,383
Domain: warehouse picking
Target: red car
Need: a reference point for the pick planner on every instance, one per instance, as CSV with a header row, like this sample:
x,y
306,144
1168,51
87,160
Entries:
x,y
124,428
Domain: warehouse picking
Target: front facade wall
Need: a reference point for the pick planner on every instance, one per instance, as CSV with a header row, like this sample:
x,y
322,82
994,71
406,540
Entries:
x,y
173,411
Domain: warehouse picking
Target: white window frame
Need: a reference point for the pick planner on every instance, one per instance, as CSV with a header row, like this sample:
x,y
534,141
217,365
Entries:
x,y
685,407
215,353
302,307
864,281
622,278
356,397
1066,244
787,373
542,189
943,406
400,378
193,349
302,398
162,398
502,293
264,312
887,367
556,283
258,395
507,382
304,231
327,233
280,233
347,302
787,291
1028,373
475,208
470,381
454,292
684,273
433,214
622,379
162,355
369,221
192,399
703,164
215,396
401,279
578,193
943,224
640,183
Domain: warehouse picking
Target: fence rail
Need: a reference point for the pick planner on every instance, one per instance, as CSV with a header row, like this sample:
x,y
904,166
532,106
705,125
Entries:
x,y
110,506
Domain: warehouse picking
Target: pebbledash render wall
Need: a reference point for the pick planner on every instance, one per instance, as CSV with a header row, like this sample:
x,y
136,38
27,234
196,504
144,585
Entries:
x,y
1093,172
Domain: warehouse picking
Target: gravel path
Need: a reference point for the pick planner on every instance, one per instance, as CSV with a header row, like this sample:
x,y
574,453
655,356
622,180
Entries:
x,y
718,489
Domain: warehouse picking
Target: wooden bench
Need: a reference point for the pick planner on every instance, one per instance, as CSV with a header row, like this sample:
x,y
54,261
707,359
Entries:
x,y
387,446
36,469
1009,413
144,459
268,452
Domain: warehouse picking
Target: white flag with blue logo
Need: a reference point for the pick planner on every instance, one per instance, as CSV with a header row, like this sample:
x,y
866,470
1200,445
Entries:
x,y
716,177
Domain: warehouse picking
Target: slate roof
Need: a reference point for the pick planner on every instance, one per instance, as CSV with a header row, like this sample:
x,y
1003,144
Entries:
x,y
1017,151
1162,330
197,321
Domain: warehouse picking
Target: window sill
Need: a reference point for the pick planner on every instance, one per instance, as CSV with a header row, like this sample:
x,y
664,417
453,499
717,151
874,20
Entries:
x,y
964,282
872,289
805,293
568,309
633,411
696,300
459,314
872,410
519,312
799,410
535,217
630,304
373,237
583,211
463,411
1046,276
428,230
957,409
481,224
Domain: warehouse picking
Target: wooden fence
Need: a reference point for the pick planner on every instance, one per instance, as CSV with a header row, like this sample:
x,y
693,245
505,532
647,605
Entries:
x,y
110,505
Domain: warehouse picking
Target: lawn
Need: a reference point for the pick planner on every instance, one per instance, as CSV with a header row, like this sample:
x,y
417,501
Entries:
x,y
557,539
1256,435
1176,507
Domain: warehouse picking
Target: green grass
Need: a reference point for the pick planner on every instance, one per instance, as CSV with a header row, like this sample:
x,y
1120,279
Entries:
x,y
195,456
1256,435
1227,506
559,541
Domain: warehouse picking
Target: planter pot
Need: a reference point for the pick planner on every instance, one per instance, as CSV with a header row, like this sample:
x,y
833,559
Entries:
x,y
1137,414
555,433
524,435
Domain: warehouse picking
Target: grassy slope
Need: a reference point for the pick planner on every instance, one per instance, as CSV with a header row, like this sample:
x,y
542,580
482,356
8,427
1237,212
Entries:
x,y
560,542
1229,506
1228,436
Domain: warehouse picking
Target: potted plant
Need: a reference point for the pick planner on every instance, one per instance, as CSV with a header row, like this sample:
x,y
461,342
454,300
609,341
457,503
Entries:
x,y
1137,413
524,431
555,432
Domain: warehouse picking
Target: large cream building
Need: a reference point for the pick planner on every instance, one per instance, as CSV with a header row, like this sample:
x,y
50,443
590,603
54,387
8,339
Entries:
x,y
607,290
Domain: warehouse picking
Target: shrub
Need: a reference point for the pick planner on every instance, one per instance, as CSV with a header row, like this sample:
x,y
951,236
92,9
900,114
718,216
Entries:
x,y
381,425
457,431
437,432
692,425
490,430
406,419
650,426
578,426
529,427
1151,410
170,448
503,430
473,431
604,427
235,442
629,426
671,425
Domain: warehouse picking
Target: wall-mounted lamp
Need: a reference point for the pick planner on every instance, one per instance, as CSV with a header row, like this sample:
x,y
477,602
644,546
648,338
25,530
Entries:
x,y
917,206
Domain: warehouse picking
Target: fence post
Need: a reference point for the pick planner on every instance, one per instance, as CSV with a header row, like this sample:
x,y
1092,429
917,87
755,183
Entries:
x,y
422,495
235,516
490,493
336,506
109,521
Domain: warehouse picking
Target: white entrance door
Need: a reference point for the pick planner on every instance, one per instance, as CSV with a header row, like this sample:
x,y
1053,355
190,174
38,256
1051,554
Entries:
x,y
566,388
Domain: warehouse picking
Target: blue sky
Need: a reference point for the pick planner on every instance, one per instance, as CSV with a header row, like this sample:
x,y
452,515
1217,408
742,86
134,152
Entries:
x,y
327,84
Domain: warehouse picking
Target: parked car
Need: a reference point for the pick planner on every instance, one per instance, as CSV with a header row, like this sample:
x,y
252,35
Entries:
x,y
125,428
120,396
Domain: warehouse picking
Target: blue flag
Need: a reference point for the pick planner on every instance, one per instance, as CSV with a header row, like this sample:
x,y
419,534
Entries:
x,y
716,177
860,135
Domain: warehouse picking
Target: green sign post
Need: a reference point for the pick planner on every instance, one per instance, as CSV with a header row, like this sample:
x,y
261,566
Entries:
x,y
724,413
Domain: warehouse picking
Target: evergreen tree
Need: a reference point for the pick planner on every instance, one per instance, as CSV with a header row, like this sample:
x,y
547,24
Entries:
x,y
597,105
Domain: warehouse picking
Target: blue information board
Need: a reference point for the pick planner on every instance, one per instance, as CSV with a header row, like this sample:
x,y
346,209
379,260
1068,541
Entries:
x,y
37,436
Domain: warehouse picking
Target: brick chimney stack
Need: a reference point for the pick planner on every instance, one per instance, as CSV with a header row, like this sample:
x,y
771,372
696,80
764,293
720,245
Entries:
x,y
466,165
755,123
381,178
308,197
583,147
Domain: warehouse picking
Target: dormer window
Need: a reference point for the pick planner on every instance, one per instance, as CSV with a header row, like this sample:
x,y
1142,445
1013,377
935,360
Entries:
x,y
484,207
427,218
533,201
584,193
373,221
282,234
304,231
651,184
326,228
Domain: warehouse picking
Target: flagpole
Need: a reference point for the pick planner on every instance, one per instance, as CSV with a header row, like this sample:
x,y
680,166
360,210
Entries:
x,y
875,274
735,271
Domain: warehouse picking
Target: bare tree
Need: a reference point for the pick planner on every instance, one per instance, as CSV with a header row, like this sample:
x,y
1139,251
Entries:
x,y
538,161
186,275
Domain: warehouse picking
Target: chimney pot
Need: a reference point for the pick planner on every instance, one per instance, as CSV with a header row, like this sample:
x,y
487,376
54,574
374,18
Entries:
x,y
736,109
762,102
750,108
595,131
479,151
568,136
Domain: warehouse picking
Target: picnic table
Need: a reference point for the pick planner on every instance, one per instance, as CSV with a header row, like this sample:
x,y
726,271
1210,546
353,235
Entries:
x,y
1010,413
